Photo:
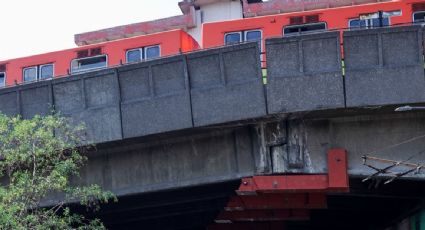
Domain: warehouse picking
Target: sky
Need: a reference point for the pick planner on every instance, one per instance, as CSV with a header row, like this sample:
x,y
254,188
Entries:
x,y
31,27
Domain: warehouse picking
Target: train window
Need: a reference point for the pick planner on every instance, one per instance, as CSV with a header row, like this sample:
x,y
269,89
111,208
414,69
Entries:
x,y
30,73
305,28
232,38
253,35
369,23
134,55
90,63
46,71
152,52
38,72
242,36
143,53
419,17
2,79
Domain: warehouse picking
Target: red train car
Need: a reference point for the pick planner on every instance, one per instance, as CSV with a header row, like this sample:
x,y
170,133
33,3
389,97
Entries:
x,y
107,54
356,16
91,57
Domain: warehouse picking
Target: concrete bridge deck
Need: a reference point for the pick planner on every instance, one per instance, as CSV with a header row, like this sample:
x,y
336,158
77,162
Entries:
x,y
205,118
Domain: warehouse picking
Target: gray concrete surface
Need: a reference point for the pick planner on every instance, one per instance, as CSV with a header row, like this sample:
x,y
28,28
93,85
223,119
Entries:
x,y
384,66
304,73
177,161
155,97
226,84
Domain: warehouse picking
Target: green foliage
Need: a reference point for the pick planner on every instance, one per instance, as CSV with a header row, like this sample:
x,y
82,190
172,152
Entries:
x,y
38,158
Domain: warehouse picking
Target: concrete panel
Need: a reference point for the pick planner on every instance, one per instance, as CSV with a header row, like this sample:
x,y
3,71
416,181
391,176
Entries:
x,y
35,99
226,84
155,97
304,73
68,96
384,66
101,89
173,162
9,102
102,124
102,113
92,99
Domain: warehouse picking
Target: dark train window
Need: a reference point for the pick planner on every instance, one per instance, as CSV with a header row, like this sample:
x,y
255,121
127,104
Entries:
x,y
232,38
2,79
30,73
143,53
152,52
95,51
242,36
253,35
90,63
134,55
38,72
46,71
419,17
82,53
305,28
368,23
296,20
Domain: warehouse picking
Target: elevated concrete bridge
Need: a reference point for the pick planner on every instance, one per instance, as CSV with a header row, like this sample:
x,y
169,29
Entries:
x,y
176,135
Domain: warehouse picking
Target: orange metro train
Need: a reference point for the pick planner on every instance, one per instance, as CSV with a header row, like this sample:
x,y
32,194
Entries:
x,y
172,42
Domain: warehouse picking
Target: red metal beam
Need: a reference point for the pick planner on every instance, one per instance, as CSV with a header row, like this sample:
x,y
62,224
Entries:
x,y
264,200
335,181
284,184
277,201
263,215
337,170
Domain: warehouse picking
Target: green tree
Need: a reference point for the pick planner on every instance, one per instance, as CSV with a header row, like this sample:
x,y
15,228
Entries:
x,y
38,157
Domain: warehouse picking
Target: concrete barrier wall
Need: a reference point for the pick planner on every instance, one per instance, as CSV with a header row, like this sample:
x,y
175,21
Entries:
x,y
9,102
304,73
384,66
155,97
226,84
27,100
151,97
94,99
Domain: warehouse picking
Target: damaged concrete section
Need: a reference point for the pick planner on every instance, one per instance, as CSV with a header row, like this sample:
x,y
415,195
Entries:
x,y
303,143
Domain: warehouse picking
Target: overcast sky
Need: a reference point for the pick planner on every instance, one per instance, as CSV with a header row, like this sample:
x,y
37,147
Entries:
x,y
31,27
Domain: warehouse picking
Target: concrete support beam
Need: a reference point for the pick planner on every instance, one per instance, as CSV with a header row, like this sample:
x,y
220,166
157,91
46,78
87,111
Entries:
x,y
173,162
